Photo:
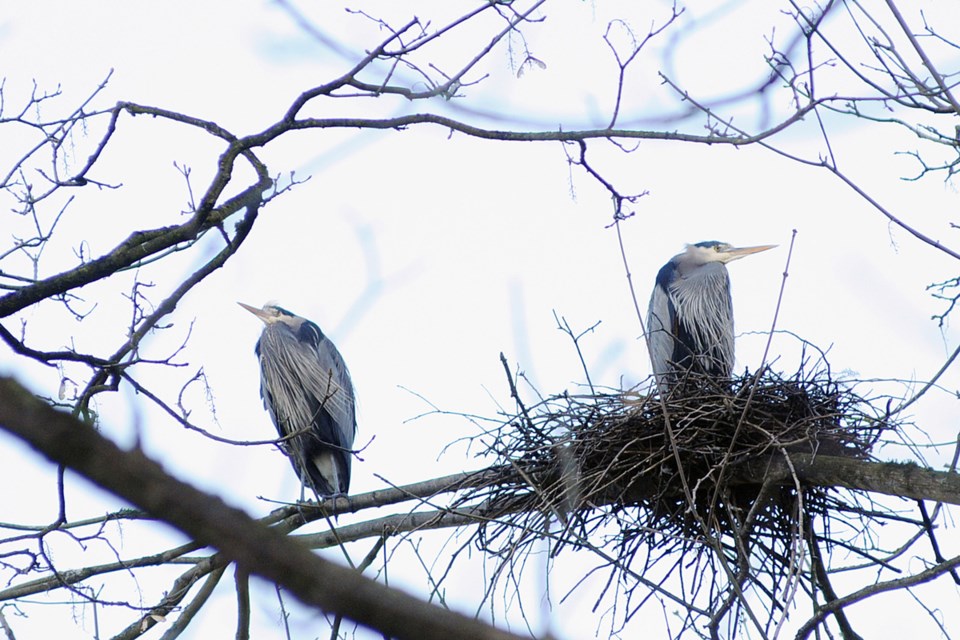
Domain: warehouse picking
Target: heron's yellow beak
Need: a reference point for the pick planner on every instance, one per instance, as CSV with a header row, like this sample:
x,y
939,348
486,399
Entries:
x,y
255,311
740,252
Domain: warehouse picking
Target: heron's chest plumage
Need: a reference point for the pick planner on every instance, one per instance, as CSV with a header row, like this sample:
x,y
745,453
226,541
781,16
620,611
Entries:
x,y
703,312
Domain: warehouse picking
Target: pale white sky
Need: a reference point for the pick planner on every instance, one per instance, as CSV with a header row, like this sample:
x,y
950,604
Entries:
x,y
425,255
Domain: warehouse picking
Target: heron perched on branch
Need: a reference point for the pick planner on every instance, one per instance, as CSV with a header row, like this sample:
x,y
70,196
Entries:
x,y
690,320
307,391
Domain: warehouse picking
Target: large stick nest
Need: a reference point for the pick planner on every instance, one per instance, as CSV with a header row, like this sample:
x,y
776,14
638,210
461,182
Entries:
x,y
634,473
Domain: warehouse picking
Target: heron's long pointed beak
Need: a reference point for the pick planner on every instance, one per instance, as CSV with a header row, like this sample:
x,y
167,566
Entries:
x,y
741,252
255,311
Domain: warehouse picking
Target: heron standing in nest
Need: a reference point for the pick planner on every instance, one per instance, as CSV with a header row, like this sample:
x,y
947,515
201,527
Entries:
x,y
308,393
690,319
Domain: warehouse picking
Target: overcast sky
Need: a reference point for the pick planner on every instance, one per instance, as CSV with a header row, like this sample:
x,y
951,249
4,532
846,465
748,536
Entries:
x,y
425,255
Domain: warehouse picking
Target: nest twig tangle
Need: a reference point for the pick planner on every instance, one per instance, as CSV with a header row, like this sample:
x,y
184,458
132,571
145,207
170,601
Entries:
x,y
670,492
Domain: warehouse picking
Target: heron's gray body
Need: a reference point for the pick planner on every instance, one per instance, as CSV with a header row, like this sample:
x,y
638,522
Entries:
x,y
690,318
679,342
307,390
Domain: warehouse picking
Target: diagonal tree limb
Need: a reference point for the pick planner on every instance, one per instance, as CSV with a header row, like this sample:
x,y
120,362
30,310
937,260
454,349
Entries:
x,y
254,547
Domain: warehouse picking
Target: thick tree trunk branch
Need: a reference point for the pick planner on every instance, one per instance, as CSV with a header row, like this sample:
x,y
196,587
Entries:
x,y
256,548
900,479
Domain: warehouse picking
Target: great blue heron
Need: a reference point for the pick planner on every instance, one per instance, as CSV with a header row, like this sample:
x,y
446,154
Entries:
x,y
690,320
307,390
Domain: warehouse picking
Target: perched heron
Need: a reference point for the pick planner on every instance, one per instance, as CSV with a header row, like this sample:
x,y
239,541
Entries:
x,y
690,320
307,391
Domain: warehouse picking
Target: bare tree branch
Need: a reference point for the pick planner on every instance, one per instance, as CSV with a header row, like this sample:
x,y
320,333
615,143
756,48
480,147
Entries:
x,y
255,548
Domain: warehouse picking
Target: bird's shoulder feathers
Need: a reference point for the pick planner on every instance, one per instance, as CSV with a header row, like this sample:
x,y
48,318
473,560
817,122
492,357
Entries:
x,y
310,333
